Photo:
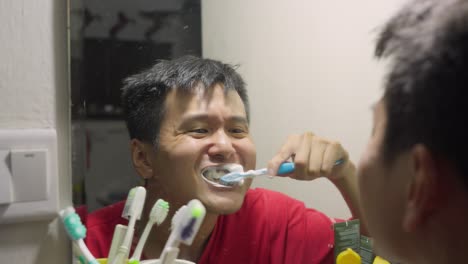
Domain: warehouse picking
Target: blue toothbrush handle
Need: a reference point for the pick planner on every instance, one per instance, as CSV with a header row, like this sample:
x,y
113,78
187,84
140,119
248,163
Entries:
x,y
339,162
288,167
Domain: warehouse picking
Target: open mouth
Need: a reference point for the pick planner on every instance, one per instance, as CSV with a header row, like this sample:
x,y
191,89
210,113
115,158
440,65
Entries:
x,y
213,174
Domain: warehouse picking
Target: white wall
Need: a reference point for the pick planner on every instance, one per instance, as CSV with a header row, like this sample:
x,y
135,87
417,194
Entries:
x,y
309,66
34,94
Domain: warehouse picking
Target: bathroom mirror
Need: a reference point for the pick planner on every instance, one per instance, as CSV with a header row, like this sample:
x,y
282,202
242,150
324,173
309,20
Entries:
x,y
308,66
110,40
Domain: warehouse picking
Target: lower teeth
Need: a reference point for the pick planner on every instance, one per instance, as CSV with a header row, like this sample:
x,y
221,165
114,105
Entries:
x,y
214,174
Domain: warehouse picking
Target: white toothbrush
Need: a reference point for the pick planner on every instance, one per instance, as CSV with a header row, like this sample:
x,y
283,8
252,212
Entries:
x,y
237,177
185,225
157,215
117,239
132,211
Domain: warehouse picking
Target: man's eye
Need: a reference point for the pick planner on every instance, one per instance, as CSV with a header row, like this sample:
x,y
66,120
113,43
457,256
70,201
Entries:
x,y
199,131
238,132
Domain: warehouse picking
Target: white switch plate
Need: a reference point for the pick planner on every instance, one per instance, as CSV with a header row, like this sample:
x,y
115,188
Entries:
x,y
29,170
6,184
42,202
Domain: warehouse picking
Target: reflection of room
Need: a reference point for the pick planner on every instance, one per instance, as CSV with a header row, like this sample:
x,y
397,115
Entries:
x,y
308,66
111,40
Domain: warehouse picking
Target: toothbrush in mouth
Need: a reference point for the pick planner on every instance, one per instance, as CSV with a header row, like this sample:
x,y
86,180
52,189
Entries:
x,y
212,174
237,178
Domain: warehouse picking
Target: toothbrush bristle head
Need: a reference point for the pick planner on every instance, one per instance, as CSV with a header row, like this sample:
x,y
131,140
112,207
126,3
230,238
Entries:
x,y
134,203
192,220
159,211
231,179
197,212
164,204
214,173
72,223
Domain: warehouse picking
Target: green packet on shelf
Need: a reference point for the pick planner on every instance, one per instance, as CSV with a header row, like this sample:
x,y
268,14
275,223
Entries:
x,y
347,235
365,250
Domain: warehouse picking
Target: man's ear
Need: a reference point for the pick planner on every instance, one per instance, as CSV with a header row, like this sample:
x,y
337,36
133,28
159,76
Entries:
x,y
141,155
426,191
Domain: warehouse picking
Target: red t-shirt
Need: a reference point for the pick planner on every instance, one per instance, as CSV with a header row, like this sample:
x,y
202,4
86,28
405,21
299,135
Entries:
x,y
269,228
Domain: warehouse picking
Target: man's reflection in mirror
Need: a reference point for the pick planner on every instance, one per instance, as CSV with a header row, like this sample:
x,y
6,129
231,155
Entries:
x,y
190,115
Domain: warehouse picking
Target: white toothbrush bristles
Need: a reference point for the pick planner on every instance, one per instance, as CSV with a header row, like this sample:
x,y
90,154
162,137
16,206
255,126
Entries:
x,y
157,215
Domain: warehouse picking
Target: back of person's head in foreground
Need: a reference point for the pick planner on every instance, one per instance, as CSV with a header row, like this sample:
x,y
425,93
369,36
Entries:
x,y
413,174
185,115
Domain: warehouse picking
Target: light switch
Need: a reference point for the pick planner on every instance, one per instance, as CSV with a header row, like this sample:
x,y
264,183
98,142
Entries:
x,y
28,175
29,168
6,184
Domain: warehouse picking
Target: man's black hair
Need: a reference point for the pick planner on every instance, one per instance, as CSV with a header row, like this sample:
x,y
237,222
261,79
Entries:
x,y
426,89
144,94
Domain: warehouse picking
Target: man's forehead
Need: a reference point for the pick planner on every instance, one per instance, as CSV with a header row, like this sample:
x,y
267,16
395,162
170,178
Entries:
x,y
199,99
200,92
206,117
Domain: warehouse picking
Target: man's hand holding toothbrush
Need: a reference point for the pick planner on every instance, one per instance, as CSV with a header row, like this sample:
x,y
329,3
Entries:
x,y
315,157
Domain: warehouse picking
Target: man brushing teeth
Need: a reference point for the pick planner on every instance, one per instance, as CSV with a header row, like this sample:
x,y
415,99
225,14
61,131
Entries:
x,y
189,124
214,174
201,129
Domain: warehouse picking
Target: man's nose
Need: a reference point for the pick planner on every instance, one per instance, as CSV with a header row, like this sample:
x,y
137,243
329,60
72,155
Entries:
x,y
221,148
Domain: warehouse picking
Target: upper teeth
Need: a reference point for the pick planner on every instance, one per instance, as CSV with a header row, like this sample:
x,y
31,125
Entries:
x,y
215,173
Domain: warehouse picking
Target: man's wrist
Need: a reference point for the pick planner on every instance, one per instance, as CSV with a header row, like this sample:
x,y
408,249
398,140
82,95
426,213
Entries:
x,y
347,175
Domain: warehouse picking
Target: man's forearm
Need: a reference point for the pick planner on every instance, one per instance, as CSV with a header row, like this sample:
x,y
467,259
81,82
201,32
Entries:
x,y
348,187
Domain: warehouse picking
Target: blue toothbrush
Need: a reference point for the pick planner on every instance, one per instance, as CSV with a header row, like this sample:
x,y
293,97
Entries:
x,y
234,178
